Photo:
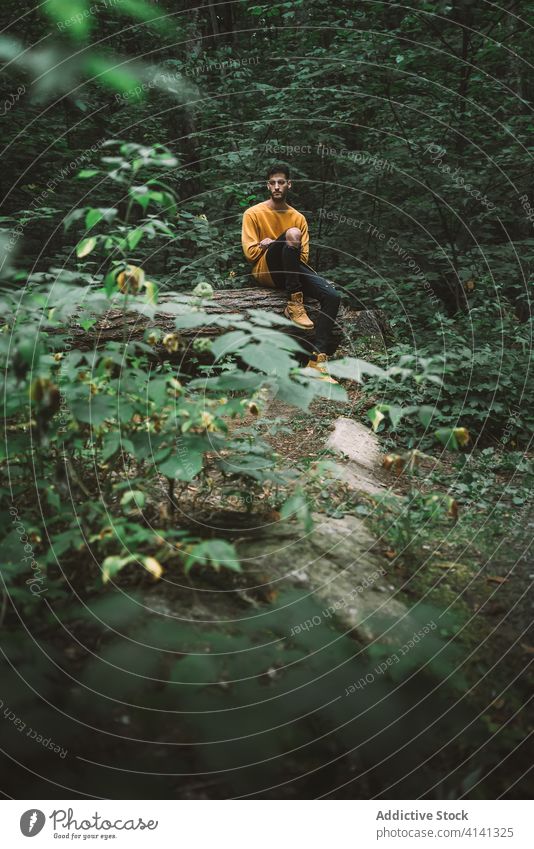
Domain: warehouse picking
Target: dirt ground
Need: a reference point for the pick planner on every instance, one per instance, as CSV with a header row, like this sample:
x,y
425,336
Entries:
x,y
478,566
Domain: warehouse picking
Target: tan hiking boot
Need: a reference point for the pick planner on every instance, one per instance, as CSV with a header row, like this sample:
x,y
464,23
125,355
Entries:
x,y
320,365
296,312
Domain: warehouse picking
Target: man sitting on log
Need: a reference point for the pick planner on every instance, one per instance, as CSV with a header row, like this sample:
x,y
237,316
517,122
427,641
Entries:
x,y
276,240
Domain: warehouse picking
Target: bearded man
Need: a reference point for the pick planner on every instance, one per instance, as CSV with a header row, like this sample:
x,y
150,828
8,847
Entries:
x,y
276,240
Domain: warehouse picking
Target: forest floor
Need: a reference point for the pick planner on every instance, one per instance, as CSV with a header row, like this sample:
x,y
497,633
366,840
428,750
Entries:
x,y
234,630
475,565
478,561
479,564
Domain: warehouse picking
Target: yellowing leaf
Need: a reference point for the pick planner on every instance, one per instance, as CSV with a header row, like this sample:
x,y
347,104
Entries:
x,y
153,566
453,508
130,279
172,342
151,292
462,435
112,565
85,247
376,417
394,462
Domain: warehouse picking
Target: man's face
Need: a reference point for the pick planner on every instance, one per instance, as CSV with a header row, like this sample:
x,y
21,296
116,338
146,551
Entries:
x,y
278,186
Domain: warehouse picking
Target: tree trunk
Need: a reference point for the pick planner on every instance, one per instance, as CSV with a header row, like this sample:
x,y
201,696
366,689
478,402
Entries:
x,y
351,323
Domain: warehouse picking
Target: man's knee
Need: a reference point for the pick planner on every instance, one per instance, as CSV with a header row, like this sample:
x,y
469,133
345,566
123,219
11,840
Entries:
x,y
293,237
331,294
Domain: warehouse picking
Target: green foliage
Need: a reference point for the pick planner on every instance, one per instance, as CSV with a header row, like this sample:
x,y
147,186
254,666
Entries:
x,y
216,553
297,506
408,153
405,522
463,373
96,416
162,668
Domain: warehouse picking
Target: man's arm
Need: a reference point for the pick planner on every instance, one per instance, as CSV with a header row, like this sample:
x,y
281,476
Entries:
x,y
250,237
305,241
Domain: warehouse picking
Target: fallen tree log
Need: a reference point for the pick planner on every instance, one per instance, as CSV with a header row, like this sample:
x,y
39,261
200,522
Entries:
x,y
116,325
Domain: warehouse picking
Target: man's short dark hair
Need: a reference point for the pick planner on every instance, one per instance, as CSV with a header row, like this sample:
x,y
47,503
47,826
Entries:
x,y
278,168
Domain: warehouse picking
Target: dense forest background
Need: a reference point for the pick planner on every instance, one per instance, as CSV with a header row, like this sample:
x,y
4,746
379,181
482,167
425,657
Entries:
x,y
137,132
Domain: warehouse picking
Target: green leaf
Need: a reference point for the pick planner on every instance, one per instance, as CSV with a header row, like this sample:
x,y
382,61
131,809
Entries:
x,y
113,565
110,445
107,72
144,445
87,172
353,369
72,16
96,410
69,219
217,552
53,499
110,283
267,359
113,610
425,415
133,498
87,323
233,380
157,390
94,216
141,10
447,438
85,247
183,466
141,195
250,465
299,394
191,320
395,414
297,505
151,292
229,342
134,237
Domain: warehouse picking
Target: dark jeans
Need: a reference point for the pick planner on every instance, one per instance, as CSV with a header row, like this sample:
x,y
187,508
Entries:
x,y
289,273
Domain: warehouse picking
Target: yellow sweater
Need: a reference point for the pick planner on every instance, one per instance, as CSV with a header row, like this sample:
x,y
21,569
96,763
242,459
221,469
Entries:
x,y
261,222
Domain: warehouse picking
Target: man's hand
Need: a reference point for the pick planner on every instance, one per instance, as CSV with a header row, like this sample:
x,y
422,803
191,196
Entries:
x,y
265,243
